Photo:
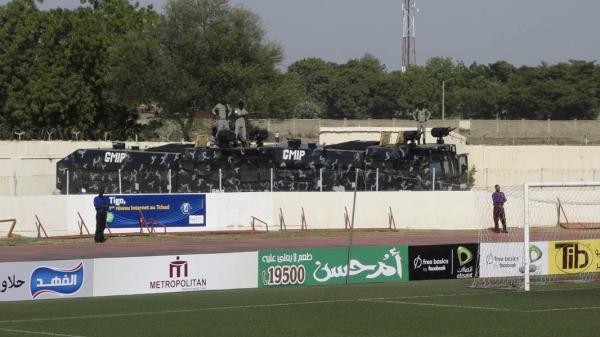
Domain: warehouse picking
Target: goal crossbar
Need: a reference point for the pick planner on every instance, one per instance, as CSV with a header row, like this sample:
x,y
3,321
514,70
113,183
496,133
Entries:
x,y
526,239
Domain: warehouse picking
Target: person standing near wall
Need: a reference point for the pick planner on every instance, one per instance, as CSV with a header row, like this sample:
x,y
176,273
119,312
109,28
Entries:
x,y
101,204
240,122
498,198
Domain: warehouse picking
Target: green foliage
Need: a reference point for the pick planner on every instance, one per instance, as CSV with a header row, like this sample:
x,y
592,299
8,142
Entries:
x,y
308,109
199,53
53,64
90,68
362,88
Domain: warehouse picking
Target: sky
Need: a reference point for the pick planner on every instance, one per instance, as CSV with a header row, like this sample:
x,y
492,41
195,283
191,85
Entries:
x,y
524,32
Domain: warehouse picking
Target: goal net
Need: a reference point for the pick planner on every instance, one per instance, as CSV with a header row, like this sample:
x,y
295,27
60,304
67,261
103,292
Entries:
x,y
552,235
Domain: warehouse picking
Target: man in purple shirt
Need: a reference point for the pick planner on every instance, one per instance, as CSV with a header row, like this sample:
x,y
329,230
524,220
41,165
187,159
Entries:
x,y
498,198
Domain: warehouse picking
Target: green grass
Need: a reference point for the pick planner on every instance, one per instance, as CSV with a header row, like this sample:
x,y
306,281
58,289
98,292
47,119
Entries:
x,y
426,308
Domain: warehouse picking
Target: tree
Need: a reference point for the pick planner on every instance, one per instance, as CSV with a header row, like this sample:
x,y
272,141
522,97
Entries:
x,y
308,109
201,52
52,69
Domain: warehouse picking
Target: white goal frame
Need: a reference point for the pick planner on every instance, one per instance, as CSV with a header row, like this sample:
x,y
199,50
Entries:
x,y
526,241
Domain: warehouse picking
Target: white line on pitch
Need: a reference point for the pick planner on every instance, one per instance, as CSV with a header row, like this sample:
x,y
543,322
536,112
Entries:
x,y
27,332
457,306
562,309
129,314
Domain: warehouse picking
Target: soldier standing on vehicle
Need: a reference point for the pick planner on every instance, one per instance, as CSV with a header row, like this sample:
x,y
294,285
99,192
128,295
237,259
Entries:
x,y
421,115
222,111
240,122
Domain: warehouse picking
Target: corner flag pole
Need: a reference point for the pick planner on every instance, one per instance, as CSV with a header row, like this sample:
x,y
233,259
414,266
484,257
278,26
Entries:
x,y
352,227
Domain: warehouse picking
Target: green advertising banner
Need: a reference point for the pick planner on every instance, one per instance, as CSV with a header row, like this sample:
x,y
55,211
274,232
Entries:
x,y
314,266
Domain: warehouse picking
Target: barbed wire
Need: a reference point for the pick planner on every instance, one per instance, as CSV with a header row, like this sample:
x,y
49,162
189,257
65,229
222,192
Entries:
x,y
46,134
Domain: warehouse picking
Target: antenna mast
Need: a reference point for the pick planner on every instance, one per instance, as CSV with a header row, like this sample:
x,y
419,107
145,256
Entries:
x,y
409,53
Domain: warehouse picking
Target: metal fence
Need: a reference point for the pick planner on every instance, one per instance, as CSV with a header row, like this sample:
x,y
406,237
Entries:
x,y
234,180
326,180
585,132
487,178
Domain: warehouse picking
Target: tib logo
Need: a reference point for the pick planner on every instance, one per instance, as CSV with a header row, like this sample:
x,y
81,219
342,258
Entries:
x,y
572,257
178,268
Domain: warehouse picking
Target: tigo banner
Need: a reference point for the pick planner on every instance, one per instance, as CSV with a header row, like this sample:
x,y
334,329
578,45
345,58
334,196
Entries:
x,y
171,210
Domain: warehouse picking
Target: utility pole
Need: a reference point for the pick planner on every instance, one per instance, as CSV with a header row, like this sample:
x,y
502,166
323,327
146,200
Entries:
x,y
443,99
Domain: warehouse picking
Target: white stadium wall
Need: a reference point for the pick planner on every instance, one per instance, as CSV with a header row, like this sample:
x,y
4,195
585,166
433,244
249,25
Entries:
x,y
516,165
445,210
29,167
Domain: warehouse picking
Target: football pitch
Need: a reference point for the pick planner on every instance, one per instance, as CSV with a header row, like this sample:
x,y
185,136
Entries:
x,y
424,308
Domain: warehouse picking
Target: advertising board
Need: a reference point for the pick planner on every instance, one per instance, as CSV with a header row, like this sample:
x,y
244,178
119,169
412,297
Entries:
x,y
316,266
173,273
574,256
170,210
442,261
45,279
505,259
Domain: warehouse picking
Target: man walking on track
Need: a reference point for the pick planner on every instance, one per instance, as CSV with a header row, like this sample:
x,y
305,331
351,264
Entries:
x,y
101,204
498,198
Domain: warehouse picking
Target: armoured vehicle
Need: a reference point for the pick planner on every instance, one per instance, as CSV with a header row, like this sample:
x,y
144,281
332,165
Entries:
x,y
293,166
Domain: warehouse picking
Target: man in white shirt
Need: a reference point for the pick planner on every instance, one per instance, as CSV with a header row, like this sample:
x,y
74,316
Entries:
x,y
240,122
421,115
222,111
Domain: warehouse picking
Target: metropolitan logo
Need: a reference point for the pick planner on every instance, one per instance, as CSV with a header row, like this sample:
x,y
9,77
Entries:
x,y
178,268
179,278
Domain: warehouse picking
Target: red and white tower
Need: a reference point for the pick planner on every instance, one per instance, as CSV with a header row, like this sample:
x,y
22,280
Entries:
x,y
409,52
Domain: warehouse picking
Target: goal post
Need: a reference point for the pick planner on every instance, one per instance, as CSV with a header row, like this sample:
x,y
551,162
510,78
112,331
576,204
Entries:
x,y
543,218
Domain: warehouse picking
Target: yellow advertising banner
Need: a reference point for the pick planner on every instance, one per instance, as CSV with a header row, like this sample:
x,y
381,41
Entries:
x,y
573,256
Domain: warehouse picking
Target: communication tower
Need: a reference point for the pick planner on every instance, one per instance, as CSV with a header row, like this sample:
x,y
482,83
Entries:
x,y
409,53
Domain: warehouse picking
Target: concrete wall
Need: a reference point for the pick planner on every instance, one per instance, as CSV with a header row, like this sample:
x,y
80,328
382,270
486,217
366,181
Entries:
x,y
412,210
29,167
515,165
233,211
506,132
333,135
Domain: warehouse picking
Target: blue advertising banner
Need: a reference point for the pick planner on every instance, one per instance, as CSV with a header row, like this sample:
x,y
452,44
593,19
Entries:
x,y
171,210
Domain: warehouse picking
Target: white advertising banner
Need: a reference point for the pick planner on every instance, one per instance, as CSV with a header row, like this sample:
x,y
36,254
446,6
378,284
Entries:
x,y
45,279
173,273
504,259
